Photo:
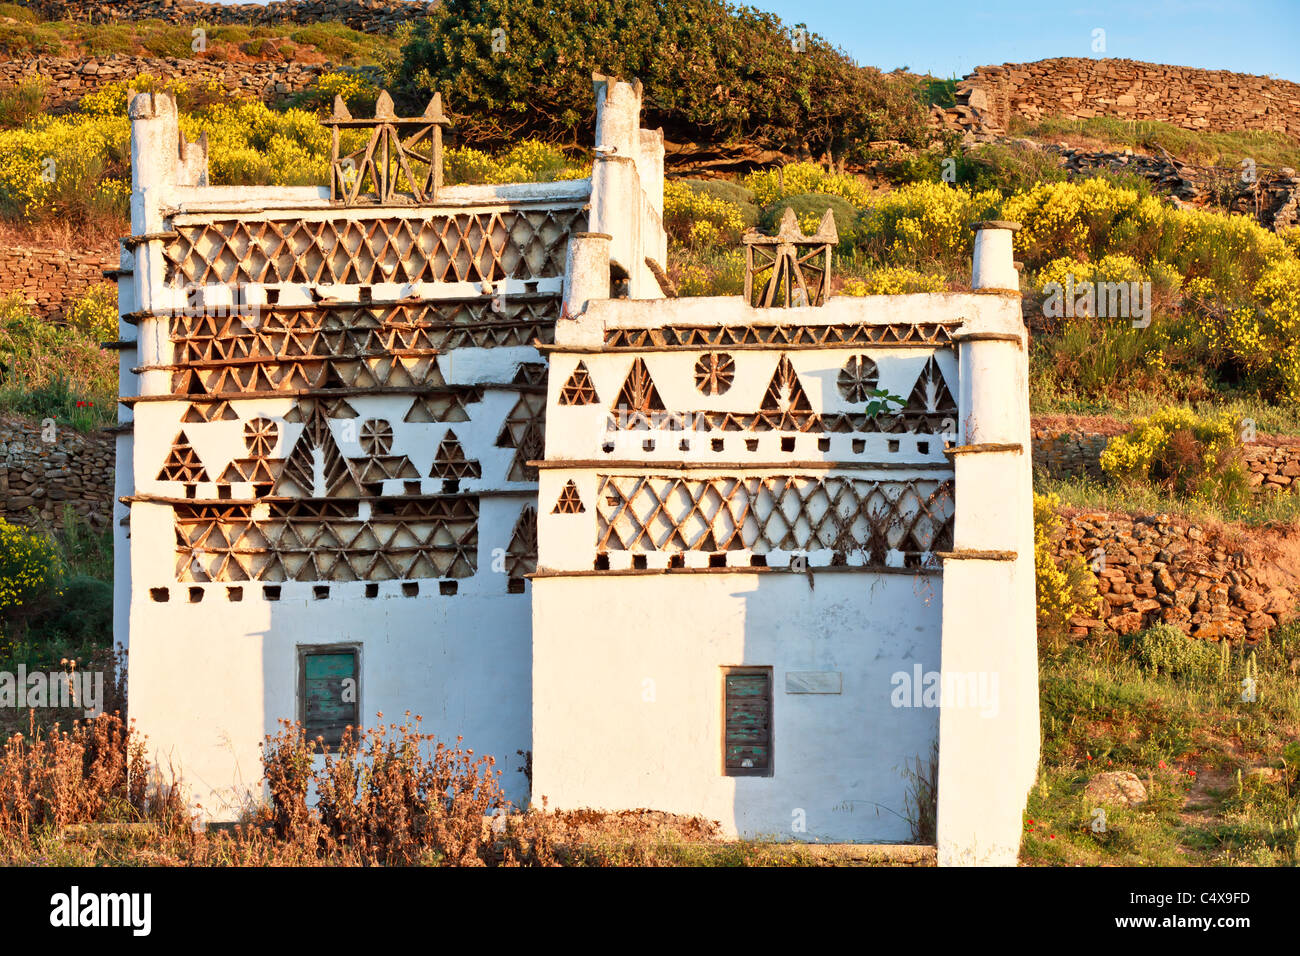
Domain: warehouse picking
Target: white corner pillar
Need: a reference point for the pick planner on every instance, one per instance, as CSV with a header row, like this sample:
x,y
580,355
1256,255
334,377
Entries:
x,y
156,164
988,755
993,266
627,185
586,272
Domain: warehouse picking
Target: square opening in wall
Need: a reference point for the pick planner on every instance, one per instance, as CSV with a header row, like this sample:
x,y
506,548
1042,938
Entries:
x,y
823,444
787,443
271,592
648,445
677,561
372,590
448,588
602,562
923,447
410,589
751,444
718,444
718,560
196,595
684,445
893,444
860,445
515,586
234,594
638,561
161,595
320,592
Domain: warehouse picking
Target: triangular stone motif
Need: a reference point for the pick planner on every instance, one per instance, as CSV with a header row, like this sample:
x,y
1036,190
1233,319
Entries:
x,y
579,389
569,502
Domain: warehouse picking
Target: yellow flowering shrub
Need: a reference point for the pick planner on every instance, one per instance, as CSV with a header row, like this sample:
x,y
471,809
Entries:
x,y
357,91
64,165
771,185
251,144
1112,268
926,222
1066,586
1291,237
1181,450
894,280
1071,218
28,567
699,218
95,313
1264,337
531,161
723,274
1232,251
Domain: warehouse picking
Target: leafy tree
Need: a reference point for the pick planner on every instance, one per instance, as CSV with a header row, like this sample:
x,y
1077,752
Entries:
x,y
712,72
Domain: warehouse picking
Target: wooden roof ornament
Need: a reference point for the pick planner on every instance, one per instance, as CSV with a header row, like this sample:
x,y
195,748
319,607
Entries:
x,y
790,269
385,163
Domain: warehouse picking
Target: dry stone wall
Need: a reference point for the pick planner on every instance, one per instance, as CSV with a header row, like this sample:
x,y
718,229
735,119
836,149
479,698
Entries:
x,y
1078,87
1163,569
51,279
370,16
70,78
39,479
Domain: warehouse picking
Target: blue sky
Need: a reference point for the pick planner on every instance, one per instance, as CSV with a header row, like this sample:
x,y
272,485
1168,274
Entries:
x,y
951,37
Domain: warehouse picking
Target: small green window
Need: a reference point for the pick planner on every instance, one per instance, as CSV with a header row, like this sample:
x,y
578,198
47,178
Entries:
x,y
747,722
329,691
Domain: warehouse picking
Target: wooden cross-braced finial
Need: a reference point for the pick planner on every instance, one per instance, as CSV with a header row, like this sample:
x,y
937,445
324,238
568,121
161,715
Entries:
x,y
793,269
385,162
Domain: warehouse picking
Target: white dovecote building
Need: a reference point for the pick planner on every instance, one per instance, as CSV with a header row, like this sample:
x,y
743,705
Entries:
x,y
691,569
762,598
331,405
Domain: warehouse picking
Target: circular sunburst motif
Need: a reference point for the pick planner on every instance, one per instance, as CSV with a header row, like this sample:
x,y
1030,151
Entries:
x,y
260,435
858,379
376,437
714,372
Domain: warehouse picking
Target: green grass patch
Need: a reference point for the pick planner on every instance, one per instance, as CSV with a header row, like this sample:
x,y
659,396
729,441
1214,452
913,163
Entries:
x,y
1214,766
1201,147
1255,510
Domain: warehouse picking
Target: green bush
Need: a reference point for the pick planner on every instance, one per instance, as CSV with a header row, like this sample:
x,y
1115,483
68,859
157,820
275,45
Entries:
x,y
711,73
1165,649
171,41
723,189
83,614
1007,167
109,38
17,11
21,104
23,39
